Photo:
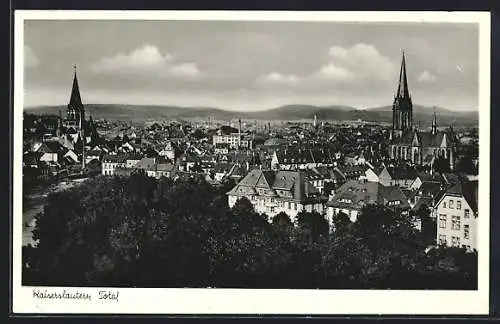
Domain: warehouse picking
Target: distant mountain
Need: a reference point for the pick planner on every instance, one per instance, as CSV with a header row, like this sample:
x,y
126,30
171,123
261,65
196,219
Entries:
x,y
422,114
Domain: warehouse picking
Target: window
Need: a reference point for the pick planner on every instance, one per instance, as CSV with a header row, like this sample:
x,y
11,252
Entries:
x,y
272,209
459,204
272,200
444,204
455,241
442,221
293,206
466,214
455,222
442,239
466,231
451,203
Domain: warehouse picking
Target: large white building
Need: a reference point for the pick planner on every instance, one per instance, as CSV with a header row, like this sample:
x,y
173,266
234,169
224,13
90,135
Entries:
x,y
112,162
456,214
234,140
272,192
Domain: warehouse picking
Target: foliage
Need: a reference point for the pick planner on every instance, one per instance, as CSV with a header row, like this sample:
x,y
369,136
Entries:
x,y
142,232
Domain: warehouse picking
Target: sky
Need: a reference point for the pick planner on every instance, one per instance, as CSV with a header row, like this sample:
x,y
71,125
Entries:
x,y
258,65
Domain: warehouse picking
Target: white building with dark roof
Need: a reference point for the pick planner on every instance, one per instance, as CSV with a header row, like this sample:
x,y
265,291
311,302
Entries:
x,y
456,213
272,192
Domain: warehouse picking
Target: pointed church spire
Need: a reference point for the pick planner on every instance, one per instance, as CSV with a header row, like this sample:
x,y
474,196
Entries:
x,y
403,81
402,108
75,100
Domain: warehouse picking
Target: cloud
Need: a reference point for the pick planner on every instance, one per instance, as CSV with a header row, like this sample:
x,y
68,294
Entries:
x,y
427,77
363,60
337,73
30,59
278,78
356,65
146,60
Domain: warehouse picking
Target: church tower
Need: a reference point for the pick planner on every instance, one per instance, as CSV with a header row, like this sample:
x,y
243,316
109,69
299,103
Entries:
x,y
402,108
75,109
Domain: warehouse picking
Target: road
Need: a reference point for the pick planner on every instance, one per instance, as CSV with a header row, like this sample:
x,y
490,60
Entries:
x,y
33,204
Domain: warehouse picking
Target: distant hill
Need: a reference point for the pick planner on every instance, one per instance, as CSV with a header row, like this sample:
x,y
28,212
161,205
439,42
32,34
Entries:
x,y
289,112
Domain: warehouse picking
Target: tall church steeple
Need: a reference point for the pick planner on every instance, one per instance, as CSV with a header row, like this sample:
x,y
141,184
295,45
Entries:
x,y
75,105
403,91
402,108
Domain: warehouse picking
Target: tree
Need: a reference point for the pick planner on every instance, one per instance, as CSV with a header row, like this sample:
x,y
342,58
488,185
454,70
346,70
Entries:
x,y
282,222
429,229
141,232
313,224
341,222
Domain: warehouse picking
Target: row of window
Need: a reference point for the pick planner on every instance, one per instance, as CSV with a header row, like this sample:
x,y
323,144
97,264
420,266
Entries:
x,y
455,221
451,204
455,224
455,242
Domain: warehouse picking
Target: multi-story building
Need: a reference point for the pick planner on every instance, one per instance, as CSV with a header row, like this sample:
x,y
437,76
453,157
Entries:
x,y
112,162
456,213
233,140
272,192
353,195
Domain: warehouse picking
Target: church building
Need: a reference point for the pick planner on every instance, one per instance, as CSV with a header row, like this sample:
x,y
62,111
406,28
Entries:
x,y
407,142
74,126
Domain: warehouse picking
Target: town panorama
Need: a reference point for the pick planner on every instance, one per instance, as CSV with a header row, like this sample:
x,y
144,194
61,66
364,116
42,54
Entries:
x,y
250,203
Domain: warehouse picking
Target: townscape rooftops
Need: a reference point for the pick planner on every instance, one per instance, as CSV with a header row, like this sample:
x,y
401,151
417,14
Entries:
x,y
426,139
291,155
355,194
114,158
402,172
277,184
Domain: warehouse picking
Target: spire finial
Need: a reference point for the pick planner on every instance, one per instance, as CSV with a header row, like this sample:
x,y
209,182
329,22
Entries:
x,y
74,69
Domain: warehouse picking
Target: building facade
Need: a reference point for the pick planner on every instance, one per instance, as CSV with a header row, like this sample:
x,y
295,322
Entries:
x,y
456,216
272,192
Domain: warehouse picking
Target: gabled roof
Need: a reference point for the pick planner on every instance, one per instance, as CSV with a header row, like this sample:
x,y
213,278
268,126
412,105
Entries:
x,y
467,189
402,172
274,182
361,193
430,188
51,147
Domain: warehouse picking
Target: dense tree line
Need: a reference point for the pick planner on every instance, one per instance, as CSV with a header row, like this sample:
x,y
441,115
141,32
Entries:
x,y
141,232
